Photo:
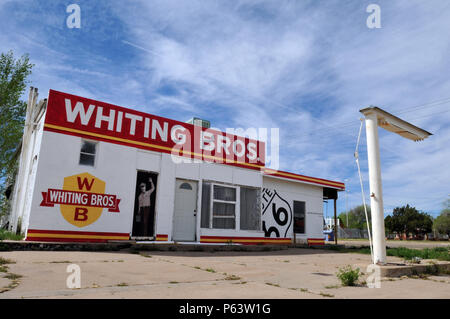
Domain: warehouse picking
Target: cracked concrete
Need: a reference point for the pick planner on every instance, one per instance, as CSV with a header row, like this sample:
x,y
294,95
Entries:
x,y
291,273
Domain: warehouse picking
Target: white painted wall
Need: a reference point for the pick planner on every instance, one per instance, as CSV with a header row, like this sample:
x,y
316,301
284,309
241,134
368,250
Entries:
x,y
117,166
312,195
29,158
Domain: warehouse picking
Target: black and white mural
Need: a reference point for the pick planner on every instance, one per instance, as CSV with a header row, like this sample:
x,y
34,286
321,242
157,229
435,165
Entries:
x,y
276,214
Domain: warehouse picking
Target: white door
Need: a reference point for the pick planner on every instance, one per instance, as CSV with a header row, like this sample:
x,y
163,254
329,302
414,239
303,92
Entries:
x,y
185,212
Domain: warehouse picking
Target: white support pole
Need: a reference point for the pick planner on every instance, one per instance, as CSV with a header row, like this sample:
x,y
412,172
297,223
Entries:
x,y
376,193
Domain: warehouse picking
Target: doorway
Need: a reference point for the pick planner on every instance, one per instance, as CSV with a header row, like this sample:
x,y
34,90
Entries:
x,y
185,210
144,205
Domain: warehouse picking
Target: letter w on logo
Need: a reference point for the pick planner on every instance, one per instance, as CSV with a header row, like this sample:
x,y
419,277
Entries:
x,y
85,183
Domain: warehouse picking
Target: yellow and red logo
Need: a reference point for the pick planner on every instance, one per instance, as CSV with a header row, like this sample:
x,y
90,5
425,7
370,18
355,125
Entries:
x,y
81,200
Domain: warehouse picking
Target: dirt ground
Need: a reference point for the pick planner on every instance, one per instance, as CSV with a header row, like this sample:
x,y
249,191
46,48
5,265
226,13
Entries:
x,y
292,273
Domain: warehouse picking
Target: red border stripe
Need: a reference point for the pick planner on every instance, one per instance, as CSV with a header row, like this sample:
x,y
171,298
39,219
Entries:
x,y
68,240
162,237
245,240
304,178
69,232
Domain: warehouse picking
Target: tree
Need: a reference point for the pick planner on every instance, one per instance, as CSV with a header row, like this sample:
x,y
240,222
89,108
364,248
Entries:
x,y
408,220
356,218
13,82
442,223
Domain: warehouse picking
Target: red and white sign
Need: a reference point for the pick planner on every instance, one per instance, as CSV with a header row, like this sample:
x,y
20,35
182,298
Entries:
x,y
63,197
74,115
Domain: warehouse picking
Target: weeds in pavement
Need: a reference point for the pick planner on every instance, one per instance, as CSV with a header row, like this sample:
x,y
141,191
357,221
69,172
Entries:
x,y
348,276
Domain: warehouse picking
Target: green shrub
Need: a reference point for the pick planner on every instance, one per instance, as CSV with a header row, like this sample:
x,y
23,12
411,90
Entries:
x,y
4,234
348,276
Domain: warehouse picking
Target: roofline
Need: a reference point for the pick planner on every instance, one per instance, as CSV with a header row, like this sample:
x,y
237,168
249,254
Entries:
x,y
376,109
267,172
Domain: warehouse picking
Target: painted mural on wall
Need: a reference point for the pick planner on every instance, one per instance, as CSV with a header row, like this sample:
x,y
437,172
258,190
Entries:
x,y
276,214
81,200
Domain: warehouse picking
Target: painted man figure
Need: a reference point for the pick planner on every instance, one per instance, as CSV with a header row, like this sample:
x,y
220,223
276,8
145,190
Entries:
x,y
144,208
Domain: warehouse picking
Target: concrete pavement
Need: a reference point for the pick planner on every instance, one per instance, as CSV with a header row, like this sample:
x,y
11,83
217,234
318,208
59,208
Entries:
x,y
291,273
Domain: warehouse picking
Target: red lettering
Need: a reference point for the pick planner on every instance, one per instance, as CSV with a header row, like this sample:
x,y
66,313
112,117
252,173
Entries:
x,y
85,183
80,214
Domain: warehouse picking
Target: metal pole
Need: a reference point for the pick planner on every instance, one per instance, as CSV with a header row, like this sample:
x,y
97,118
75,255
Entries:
x,y
335,224
376,193
346,202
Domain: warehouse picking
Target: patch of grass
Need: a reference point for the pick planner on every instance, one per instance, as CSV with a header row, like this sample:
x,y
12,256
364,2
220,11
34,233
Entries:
x,y
232,277
332,287
122,284
7,235
304,290
3,268
61,262
5,261
271,284
210,270
348,276
197,267
326,295
12,276
439,253
173,282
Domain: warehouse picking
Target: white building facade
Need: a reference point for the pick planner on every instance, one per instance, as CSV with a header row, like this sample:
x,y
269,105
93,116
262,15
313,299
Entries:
x,y
97,172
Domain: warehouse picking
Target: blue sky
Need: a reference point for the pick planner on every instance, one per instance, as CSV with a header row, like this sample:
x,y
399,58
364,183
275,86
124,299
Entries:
x,y
305,67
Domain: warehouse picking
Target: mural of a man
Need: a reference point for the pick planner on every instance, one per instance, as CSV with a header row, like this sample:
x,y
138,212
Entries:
x,y
144,207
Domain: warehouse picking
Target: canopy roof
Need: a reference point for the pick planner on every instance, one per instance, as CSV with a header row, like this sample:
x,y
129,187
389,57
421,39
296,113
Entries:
x,y
396,125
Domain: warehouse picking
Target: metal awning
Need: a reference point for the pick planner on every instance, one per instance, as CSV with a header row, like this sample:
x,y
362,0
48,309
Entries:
x,y
396,125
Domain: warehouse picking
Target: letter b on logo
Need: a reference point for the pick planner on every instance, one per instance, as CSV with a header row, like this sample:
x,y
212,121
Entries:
x,y
80,214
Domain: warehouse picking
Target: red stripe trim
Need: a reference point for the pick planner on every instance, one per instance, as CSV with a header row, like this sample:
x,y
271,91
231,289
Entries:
x,y
67,240
69,232
316,241
162,237
305,178
244,238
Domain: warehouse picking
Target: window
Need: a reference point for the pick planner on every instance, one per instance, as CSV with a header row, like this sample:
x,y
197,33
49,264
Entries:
x,y
224,207
299,217
87,153
206,207
218,206
250,204
186,186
